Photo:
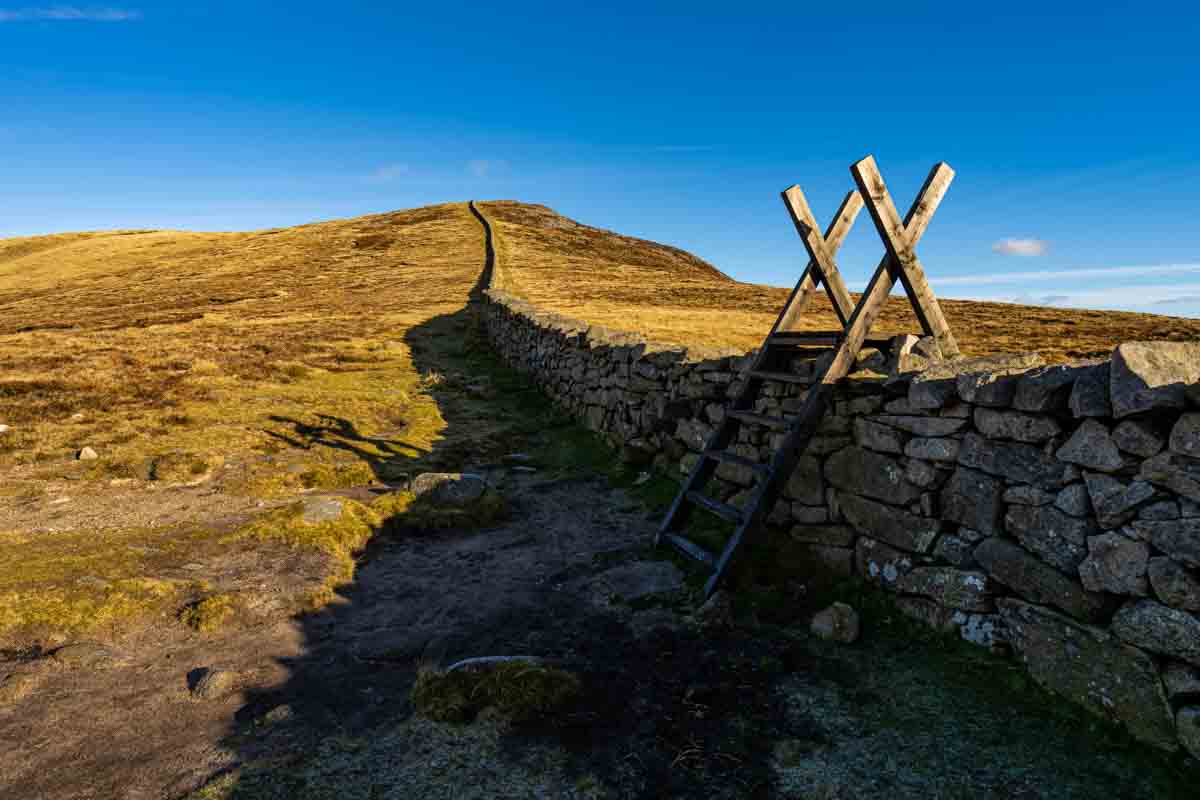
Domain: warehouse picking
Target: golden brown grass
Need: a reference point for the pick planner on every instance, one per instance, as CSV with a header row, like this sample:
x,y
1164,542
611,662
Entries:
x,y
673,297
261,364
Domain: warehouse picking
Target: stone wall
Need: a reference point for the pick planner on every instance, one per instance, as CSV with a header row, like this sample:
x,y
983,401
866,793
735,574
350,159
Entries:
x,y
1048,511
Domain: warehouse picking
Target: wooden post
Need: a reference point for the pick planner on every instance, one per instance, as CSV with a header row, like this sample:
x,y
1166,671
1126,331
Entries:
x,y
901,242
821,267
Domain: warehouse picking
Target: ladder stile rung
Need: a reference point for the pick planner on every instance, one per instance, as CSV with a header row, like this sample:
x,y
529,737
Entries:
x,y
783,377
691,550
782,347
722,510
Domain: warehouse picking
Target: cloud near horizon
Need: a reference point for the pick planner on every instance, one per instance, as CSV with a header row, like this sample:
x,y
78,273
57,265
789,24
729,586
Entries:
x,y
69,14
1021,247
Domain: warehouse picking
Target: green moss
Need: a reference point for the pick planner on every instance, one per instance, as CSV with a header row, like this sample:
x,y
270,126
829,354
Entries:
x,y
208,614
519,691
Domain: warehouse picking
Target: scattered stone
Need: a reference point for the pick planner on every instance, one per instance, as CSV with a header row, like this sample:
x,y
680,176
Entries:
x,y
983,630
449,488
1015,425
1181,679
1185,436
961,589
972,498
1074,500
213,683
1088,666
1152,626
874,436
16,686
89,655
933,387
1174,584
1089,394
837,623
1091,447
716,613
1115,564
1061,540
318,510
4,429
1013,461
1028,496
87,454
809,515
933,449
635,581
928,613
869,473
879,563
1137,437
1036,580
922,473
1113,501
955,550
1157,512
1156,627
805,485
1045,388
992,381
829,535
924,426
1152,375
1180,539
892,525
1187,724
1178,473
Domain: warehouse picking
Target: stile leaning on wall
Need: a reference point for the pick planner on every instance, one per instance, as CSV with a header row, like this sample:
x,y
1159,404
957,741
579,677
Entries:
x,y
1050,510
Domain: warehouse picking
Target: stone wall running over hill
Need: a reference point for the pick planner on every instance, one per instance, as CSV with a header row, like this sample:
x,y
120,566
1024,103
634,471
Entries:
x,y
1050,511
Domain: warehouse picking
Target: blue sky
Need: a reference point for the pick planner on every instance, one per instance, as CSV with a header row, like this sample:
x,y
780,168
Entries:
x,y
1073,127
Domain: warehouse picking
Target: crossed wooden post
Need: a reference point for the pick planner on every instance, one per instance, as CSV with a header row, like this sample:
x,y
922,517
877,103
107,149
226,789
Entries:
x,y
769,365
900,262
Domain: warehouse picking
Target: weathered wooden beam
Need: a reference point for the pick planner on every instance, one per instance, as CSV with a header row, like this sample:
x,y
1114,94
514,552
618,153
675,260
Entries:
x,y
901,242
824,269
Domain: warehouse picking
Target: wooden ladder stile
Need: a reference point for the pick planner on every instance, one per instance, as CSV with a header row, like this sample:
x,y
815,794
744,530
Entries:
x,y
899,263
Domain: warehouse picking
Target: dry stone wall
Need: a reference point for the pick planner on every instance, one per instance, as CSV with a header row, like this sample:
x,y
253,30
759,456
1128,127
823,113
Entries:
x,y
1048,511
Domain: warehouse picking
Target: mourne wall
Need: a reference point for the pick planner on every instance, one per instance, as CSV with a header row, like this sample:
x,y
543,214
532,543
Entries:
x,y
1048,510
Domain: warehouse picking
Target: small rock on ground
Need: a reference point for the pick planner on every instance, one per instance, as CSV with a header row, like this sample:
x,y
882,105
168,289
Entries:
x,y
87,454
322,509
449,488
86,654
635,581
838,623
214,683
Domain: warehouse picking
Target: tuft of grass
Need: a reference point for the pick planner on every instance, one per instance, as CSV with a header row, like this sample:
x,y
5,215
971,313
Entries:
x,y
518,691
208,614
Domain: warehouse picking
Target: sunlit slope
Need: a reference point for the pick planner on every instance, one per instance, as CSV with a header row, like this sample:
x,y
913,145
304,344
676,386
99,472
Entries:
x,y
672,296
130,342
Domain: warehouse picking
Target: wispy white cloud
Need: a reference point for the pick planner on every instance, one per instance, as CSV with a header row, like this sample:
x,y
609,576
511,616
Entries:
x,y
387,173
1067,274
70,14
1177,299
1021,247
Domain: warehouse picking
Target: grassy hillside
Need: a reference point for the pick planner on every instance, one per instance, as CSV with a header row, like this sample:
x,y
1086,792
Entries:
x,y
672,296
218,377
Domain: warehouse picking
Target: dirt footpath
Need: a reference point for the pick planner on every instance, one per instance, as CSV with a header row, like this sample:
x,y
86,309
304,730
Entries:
x,y
318,706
